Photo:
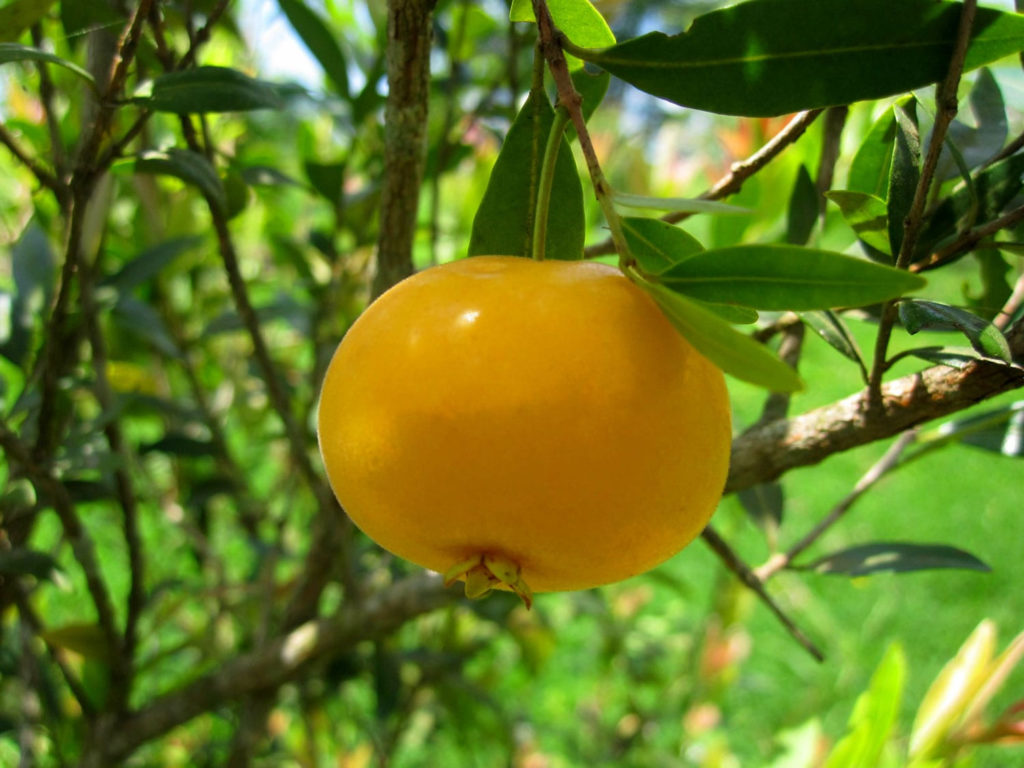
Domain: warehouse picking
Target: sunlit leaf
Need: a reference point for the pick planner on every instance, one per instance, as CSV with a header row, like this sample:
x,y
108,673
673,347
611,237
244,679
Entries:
x,y
733,352
771,58
833,330
87,640
657,245
780,277
867,215
579,20
999,430
869,170
952,691
874,715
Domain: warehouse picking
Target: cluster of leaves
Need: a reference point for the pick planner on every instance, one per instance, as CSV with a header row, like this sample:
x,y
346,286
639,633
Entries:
x,y
188,240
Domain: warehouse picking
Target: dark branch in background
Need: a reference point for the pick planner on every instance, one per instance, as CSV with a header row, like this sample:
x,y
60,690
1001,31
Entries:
x,y
738,174
405,137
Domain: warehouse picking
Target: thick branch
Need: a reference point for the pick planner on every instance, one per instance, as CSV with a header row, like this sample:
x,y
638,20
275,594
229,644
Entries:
x,y
285,659
767,451
405,136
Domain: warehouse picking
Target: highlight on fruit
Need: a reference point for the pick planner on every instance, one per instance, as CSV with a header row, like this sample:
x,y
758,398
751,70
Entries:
x,y
524,425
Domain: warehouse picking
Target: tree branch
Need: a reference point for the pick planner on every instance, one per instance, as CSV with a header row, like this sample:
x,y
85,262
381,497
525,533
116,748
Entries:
x,y
405,136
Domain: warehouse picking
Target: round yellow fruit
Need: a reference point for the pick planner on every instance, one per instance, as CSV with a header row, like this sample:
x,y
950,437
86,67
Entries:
x,y
524,424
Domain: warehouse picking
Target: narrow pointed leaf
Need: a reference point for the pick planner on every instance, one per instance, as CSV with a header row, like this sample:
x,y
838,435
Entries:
x,y
209,89
16,52
918,314
804,208
657,245
27,562
831,328
191,167
764,503
866,214
977,144
895,556
959,358
771,58
1000,430
904,173
504,221
581,22
320,41
19,15
150,263
733,352
675,204
781,277
952,691
869,170
874,715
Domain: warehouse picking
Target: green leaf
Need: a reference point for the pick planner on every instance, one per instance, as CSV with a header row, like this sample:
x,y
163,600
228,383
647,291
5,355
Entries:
x,y
904,173
976,145
209,89
999,430
972,205
869,170
804,208
19,15
781,277
328,179
14,52
141,320
993,272
579,20
504,221
592,88
867,215
833,330
732,313
87,640
918,315
764,503
178,444
675,204
895,556
320,41
874,715
150,263
763,58
27,562
191,167
959,358
735,353
657,245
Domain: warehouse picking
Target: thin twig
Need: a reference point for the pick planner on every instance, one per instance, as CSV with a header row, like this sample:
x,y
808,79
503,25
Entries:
x,y
946,109
734,563
970,239
1009,309
42,174
738,173
550,41
878,470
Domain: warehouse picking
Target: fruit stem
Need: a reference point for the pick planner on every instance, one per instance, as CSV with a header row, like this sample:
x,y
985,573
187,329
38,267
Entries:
x,y
483,573
546,182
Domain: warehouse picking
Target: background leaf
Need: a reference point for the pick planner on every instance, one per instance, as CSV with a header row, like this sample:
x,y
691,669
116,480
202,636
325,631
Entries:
x,y
209,89
320,41
189,166
867,215
896,556
904,173
767,58
19,15
14,52
869,169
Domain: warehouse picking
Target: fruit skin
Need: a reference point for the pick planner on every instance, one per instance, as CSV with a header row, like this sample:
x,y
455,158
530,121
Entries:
x,y
545,413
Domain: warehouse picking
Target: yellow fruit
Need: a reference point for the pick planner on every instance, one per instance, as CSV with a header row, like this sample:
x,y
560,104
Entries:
x,y
524,424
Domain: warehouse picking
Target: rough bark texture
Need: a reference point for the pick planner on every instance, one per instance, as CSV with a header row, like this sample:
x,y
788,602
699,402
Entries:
x,y
408,58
